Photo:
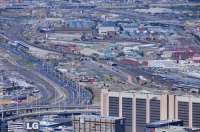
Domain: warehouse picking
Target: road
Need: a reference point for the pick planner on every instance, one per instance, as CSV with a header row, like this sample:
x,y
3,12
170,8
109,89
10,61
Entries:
x,y
54,112
29,75
76,94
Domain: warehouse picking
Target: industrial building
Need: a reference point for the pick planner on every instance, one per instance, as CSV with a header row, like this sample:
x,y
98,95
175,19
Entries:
x,y
97,123
143,107
107,28
129,27
80,31
79,24
161,63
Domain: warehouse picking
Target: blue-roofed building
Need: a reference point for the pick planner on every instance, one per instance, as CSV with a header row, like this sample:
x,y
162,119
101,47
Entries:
x,y
79,24
129,27
107,24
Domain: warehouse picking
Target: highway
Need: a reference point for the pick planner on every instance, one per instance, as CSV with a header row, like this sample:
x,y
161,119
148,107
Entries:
x,y
77,95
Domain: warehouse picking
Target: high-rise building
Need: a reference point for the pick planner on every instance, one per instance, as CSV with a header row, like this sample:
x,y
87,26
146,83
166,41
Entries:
x,y
96,123
143,107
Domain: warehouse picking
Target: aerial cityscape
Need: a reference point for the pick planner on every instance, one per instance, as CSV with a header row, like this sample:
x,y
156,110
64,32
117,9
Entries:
x,y
100,65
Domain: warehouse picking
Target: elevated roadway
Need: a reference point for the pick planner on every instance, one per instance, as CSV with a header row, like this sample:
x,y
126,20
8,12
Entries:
x,y
53,112
14,108
128,6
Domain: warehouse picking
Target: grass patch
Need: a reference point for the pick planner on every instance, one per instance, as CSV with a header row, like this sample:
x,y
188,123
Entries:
x,y
25,62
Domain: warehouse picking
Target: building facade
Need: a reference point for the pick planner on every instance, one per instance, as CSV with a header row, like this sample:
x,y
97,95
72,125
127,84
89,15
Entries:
x,y
15,126
95,123
140,108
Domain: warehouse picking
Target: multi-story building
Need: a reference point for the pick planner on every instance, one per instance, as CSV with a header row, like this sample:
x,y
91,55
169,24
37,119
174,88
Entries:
x,y
143,107
95,123
15,127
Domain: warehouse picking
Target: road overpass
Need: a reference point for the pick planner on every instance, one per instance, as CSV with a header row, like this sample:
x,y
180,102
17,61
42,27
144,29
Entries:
x,y
53,112
24,109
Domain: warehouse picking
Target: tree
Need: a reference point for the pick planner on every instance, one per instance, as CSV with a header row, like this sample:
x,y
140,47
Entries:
x,y
142,54
121,54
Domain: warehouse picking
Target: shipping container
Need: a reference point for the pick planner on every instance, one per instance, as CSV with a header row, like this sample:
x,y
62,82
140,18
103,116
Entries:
x,y
130,61
21,97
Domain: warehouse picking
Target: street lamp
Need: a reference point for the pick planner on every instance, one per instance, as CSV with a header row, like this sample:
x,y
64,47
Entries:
x,y
27,100
80,94
31,103
73,98
87,102
55,96
1,110
17,103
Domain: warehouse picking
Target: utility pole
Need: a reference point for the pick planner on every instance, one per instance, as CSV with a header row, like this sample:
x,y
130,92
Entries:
x,y
80,95
17,104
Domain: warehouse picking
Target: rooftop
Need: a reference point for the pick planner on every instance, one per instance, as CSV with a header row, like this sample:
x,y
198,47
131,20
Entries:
x,y
163,122
108,24
99,117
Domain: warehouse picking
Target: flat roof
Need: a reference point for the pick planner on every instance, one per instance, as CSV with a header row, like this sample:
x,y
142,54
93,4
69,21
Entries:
x,y
72,29
162,122
100,117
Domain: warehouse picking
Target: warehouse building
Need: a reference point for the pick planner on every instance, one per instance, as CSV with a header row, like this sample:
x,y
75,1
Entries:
x,y
161,63
80,31
143,107
129,27
107,28
95,123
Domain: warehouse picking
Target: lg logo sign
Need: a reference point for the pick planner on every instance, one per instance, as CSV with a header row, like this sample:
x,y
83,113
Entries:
x,y
32,126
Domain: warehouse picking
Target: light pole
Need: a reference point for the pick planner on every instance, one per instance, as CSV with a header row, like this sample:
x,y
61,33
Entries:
x,y
31,103
27,100
73,98
17,103
39,107
36,104
80,95
55,96
59,104
1,110
87,102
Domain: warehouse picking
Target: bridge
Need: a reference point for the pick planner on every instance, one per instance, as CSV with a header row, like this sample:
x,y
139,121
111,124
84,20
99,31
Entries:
x,y
53,112
9,111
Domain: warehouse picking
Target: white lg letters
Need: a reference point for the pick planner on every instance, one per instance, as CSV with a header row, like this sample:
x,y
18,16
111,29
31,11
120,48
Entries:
x,y
34,126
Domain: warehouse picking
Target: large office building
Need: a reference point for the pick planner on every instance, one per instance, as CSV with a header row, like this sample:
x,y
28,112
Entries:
x,y
143,107
96,123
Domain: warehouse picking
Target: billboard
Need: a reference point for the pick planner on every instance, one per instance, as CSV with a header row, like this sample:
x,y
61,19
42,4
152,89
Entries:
x,y
31,126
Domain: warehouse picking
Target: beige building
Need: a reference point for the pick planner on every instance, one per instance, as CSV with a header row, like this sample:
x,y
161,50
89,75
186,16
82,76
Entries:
x,y
96,123
140,108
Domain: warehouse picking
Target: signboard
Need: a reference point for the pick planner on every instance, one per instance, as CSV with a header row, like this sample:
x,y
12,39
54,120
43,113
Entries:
x,y
121,122
31,126
81,121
